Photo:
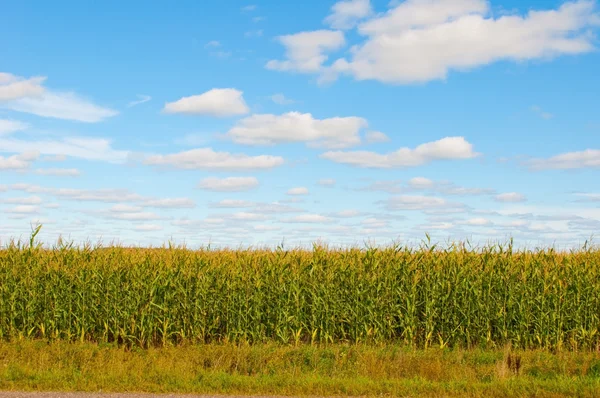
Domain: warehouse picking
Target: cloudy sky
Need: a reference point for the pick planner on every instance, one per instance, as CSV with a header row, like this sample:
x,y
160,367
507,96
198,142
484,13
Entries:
x,y
252,123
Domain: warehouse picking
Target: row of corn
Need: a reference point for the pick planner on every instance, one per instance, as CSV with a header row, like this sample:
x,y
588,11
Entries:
x,y
486,297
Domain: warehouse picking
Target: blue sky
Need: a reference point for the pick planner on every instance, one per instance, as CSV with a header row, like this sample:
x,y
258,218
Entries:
x,y
250,123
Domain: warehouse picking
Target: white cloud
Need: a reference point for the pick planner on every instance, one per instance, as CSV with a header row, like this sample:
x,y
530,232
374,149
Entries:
x,y
58,172
8,126
23,209
148,227
298,191
212,44
28,200
444,149
416,202
257,207
268,129
218,102
420,183
61,105
446,187
436,226
141,99
77,147
94,195
423,40
250,7
229,184
247,216
233,203
390,186
14,87
478,222
18,162
326,182
281,99
589,158
594,197
308,218
373,222
266,228
345,14
54,158
254,33
207,159
305,51
541,113
376,136
124,208
510,197
347,213
135,216
169,203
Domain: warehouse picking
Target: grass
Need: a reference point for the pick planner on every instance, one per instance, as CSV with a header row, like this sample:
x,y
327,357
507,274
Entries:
x,y
338,369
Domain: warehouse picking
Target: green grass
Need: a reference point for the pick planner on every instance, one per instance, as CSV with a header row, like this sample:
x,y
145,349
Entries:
x,y
303,370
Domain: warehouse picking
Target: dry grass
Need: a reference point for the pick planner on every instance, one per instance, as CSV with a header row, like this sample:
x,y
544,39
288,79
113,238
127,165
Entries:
x,y
304,370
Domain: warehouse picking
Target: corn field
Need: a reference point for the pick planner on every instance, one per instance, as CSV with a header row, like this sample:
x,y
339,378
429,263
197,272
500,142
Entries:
x,y
422,297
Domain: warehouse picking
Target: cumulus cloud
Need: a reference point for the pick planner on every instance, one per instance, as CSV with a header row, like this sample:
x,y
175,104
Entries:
x,y
218,102
589,158
281,99
15,87
376,136
510,197
346,14
445,149
21,161
229,184
422,40
305,51
207,159
418,41
8,126
420,183
297,191
268,129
